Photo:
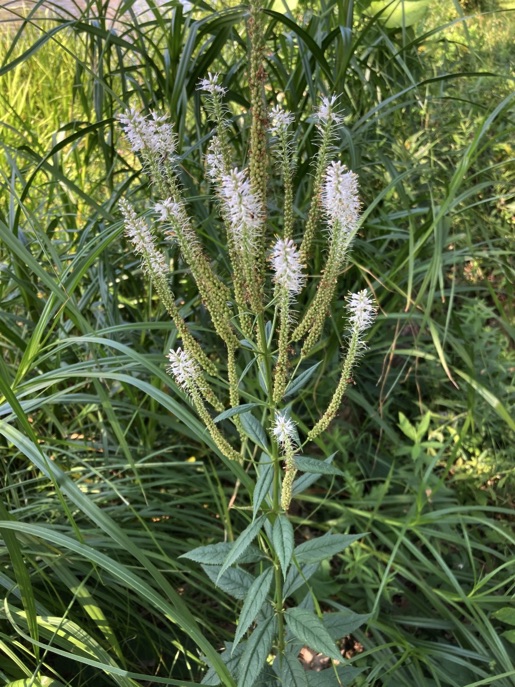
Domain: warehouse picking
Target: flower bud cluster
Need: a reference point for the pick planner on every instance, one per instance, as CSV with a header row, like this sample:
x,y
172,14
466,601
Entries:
x,y
152,135
287,266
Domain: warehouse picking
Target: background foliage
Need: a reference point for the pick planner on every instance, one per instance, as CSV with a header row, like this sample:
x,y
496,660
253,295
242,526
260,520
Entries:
x,y
106,476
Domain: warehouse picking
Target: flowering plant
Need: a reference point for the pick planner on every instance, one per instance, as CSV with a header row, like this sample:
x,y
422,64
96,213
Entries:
x,y
253,313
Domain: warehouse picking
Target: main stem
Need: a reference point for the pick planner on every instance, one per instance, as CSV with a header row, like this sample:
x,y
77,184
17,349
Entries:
x,y
276,493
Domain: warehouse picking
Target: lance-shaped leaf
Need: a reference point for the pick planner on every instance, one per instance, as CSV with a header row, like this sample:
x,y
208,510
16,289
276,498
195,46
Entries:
x,y
315,466
254,601
291,672
342,623
263,483
297,577
301,380
305,481
256,652
324,547
283,541
254,430
237,410
216,554
230,659
235,581
242,544
309,629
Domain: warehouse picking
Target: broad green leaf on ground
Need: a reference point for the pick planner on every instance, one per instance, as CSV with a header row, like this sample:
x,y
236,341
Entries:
x,y
506,615
216,554
315,466
235,581
320,548
242,543
256,597
309,629
256,652
283,541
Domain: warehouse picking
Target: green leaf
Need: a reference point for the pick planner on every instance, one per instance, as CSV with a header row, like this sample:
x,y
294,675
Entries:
x,y
324,547
506,615
407,428
283,541
242,543
510,635
315,466
256,652
254,430
36,682
343,623
230,659
256,597
300,381
305,481
235,581
309,630
292,673
296,578
327,678
237,410
216,554
263,483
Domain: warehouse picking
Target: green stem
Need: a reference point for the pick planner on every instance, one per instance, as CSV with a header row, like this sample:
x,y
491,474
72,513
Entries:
x,y
276,494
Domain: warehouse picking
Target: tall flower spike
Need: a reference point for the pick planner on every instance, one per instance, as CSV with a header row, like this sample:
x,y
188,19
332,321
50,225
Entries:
x,y
340,198
287,266
137,231
243,208
362,311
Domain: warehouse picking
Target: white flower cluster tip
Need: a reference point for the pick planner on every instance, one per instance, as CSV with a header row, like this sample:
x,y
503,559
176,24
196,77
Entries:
x,y
340,198
326,113
214,159
152,134
183,367
287,266
361,309
284,429
212,85
243,208
280,120
139,234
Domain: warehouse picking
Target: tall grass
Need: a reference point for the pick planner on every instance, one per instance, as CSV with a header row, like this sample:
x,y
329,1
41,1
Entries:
x,y
103,478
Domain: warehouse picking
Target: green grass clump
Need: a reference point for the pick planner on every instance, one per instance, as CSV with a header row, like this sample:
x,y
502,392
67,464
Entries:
x,y
104,479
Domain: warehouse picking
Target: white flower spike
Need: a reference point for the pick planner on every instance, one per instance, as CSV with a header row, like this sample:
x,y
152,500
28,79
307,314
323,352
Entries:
x,y
340,198
287,266
362,311
183,368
